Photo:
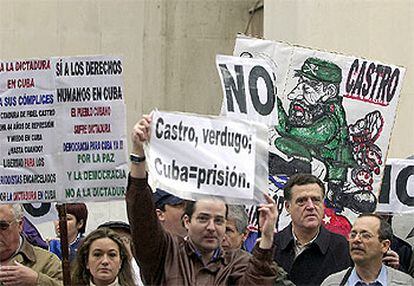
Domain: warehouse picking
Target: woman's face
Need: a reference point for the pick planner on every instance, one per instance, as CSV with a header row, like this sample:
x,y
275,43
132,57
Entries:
x,y
73,227
104,261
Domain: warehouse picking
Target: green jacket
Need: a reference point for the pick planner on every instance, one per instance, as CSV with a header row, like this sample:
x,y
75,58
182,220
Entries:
x,y
45,263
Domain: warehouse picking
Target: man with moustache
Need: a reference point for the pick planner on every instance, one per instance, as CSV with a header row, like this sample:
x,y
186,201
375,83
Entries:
x,y
305,249
369,241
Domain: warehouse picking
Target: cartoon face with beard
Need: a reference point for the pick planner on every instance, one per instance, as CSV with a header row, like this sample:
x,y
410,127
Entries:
x,y
308,98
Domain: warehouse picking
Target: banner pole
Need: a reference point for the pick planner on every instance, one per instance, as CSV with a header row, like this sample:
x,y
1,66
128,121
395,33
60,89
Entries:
x,y
63,232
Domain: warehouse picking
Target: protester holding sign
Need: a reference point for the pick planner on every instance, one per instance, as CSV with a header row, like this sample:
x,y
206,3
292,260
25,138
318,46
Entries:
x,y
165,260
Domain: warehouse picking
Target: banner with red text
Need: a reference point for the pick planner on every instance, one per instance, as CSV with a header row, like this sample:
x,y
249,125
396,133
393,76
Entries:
x,y
63,130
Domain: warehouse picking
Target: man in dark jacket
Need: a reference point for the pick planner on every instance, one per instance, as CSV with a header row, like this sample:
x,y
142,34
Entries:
x,y
305,249
198,259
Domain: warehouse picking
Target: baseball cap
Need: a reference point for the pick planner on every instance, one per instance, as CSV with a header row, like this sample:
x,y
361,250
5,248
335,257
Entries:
x,y
162,198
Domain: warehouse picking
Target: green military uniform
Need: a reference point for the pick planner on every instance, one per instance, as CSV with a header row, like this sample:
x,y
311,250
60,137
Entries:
x,y
316,127
326,139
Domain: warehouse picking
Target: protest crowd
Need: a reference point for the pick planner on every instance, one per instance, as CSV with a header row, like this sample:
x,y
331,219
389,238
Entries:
x,y
290,185
171,241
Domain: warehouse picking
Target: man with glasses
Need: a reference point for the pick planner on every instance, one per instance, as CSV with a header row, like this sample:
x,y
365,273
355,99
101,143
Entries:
x,y
305,249
369,241
198,259
20,262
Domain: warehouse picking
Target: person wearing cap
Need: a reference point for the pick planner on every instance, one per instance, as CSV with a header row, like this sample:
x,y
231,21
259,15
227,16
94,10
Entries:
x,y
170,210
315,127
124,231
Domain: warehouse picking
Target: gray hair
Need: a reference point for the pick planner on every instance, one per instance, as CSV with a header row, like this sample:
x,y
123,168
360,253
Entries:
x,y
238,214
17,210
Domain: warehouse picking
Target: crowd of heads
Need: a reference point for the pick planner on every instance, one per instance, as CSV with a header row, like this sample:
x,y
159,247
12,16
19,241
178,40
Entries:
x,y
106,253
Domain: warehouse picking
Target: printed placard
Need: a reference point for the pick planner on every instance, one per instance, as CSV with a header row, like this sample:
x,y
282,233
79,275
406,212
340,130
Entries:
x,y
397,190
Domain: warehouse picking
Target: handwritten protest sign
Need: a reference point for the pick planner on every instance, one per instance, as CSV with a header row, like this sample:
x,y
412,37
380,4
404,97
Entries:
x,y
28,126
93,147
335,116
193,156
57,123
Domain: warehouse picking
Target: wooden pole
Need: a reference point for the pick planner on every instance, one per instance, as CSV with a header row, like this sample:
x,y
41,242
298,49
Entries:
x,y
64,244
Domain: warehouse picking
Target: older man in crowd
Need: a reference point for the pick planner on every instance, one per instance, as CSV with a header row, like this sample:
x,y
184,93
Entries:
x,y
369,240
20,262
236,228
199,259
305,249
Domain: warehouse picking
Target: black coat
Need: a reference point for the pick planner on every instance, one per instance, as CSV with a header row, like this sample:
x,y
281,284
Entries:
x,y
329,253
404,250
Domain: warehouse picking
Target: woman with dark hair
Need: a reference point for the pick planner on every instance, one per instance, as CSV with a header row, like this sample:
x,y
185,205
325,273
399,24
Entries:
x,y
76,216
102,260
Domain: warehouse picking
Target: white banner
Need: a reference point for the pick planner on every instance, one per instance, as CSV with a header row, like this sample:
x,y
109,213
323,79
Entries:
x,y
335,117
193,156
249,86
63,130
397,190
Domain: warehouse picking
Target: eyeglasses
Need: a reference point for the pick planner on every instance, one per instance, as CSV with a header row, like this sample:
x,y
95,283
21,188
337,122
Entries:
x,y
4,224
364,235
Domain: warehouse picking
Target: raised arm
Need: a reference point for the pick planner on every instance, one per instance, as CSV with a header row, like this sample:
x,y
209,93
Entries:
x,y
149,238
261,269
140,134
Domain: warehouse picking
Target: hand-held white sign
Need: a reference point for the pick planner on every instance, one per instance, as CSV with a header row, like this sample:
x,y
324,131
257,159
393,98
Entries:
x,y
193,156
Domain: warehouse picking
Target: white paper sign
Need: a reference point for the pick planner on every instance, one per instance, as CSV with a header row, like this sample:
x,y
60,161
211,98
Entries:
x,y
335,117
249,88
93,141
62,127
193,156
397,190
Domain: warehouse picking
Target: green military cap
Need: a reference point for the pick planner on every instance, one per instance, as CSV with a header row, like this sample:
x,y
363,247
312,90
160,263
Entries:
x,y
317,69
